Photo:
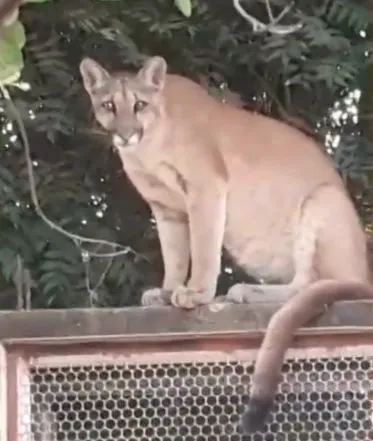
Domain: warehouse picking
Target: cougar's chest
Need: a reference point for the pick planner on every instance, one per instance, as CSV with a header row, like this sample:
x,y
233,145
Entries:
x,y
156,180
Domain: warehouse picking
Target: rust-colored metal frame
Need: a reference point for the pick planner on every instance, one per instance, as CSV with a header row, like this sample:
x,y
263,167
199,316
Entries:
x,y
54,337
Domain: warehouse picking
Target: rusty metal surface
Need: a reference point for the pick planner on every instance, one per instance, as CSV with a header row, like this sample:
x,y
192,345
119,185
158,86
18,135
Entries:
x,y
3,396
137,323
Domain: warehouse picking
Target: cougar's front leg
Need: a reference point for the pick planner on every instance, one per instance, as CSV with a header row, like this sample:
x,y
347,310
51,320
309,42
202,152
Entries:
x,y
207,216
173,233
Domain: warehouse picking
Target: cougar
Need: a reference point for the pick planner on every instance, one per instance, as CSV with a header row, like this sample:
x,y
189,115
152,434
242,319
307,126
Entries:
x,y
215,175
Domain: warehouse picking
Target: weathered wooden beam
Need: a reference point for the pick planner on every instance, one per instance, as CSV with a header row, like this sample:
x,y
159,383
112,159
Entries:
x,y
139,323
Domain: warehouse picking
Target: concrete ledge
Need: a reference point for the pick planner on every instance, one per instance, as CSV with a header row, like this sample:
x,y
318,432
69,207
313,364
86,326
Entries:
x,y
145,324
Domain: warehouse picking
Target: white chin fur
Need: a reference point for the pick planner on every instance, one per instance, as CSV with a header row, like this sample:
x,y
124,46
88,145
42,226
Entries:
x,y
133,139
118,142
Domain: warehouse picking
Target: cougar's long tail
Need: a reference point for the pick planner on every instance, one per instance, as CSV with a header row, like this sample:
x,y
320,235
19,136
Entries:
x,y
295,313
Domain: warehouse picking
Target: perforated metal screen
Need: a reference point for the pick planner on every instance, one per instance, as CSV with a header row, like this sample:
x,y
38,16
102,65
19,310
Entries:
x,y
320,399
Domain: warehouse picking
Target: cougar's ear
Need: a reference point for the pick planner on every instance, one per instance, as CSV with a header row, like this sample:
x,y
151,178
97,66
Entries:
x,y
93,74
153,72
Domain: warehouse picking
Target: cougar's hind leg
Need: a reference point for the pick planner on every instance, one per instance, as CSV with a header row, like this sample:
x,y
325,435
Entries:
x,y
330,245
304,264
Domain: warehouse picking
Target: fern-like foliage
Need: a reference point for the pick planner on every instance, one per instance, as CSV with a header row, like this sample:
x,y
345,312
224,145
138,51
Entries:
x,y
347,12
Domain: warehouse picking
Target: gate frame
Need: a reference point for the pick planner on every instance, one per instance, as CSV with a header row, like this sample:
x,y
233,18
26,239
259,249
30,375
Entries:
x,y
86,334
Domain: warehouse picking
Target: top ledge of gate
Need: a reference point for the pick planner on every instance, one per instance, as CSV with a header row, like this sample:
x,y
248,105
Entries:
x,y
144,324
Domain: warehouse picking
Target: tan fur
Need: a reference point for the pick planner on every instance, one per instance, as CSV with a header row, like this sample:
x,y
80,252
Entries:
x,y
215,175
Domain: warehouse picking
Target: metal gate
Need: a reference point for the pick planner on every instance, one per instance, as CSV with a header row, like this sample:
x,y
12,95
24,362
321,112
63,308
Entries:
x,y
71,375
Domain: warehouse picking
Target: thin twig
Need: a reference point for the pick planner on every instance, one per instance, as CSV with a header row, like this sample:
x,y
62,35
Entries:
x,y
7,7
92,291
269,12
272,27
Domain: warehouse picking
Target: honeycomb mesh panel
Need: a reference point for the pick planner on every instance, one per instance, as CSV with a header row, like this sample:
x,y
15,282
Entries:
x,y
318,400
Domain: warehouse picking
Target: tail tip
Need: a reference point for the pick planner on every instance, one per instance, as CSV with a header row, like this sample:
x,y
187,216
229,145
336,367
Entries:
x,y
255,415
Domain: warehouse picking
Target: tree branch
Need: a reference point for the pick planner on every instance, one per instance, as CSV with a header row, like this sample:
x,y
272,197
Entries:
x,y
8,6
272,27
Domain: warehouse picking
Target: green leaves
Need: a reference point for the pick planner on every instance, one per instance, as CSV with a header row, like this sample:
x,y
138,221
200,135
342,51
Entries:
x,y
350,13
8,262
59,269
184,6
12,40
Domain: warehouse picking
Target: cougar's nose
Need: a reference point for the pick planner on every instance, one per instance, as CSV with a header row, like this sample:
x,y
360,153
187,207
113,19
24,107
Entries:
x,y
131,137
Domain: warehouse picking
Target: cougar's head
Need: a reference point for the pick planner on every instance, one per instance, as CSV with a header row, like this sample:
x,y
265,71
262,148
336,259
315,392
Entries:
x,y
126,105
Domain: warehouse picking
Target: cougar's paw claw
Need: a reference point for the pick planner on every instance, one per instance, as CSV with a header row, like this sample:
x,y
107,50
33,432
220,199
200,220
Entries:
x,y
188,298
255,415
156,297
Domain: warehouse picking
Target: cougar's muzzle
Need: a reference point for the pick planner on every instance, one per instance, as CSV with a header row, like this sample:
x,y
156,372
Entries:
x,y
129,138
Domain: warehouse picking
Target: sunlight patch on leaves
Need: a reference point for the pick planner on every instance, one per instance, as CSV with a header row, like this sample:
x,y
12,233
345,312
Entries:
x,y
184,6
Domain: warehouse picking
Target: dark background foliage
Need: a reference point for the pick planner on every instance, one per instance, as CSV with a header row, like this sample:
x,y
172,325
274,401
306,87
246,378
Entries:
x,y
308,78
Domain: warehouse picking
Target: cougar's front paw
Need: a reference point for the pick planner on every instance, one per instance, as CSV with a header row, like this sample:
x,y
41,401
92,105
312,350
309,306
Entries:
x,y
188,298
156,297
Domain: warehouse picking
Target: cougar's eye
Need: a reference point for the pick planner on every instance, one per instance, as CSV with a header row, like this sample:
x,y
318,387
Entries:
x,y
139,106
109,106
